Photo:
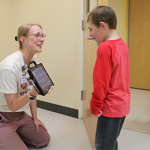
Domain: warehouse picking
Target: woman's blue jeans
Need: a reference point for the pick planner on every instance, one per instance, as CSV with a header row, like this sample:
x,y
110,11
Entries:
x,y
108,130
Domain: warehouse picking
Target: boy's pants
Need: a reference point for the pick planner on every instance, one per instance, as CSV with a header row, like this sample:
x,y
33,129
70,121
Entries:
x,y
108,130
17,128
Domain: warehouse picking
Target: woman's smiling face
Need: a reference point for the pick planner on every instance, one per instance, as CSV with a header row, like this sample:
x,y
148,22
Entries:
x,y
31,41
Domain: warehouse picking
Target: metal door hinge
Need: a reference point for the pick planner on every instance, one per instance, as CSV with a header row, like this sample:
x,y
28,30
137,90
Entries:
x,y
82,92
83,23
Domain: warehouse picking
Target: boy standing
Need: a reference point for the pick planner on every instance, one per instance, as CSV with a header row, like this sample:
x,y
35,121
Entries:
x,y
110,100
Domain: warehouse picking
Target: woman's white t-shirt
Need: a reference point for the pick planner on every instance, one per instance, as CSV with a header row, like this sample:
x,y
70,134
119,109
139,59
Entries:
x,y
10,79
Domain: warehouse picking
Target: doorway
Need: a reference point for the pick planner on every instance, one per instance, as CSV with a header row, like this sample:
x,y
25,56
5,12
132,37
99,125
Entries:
x,y
90,50
90,53
139,45
139,51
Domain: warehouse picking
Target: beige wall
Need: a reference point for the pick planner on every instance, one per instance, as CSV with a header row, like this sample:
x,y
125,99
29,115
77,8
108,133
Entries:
x,y
118,6
6,28
93,4
60,21
121,9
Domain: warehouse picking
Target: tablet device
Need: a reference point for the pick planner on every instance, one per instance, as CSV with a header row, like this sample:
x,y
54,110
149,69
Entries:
x,y
40,77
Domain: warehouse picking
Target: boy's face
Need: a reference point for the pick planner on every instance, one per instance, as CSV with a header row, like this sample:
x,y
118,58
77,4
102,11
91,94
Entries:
x,y
98,33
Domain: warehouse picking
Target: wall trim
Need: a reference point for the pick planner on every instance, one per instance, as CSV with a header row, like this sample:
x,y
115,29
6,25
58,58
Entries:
x,y
58,109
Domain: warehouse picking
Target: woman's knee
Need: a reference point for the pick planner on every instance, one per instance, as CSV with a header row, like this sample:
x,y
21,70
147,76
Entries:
x,y
44,141
47,139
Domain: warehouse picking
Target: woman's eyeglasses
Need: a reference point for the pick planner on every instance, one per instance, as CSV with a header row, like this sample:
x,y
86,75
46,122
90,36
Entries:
x,y
39,36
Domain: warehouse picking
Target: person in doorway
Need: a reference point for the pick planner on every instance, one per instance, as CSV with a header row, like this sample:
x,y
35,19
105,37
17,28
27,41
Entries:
x,y
110,100
17,128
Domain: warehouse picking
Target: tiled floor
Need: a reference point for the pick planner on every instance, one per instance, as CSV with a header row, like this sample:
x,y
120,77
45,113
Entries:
x,y
139,117
69,133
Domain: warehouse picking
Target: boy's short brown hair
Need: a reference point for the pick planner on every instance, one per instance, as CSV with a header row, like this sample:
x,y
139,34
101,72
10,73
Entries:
x,y
103,14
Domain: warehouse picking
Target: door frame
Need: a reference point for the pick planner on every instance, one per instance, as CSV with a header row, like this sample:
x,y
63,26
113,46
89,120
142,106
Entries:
x,y
81,60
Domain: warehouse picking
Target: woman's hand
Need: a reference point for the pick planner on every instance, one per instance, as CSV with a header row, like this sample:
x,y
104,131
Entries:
x,y
38,123
33,92
50,89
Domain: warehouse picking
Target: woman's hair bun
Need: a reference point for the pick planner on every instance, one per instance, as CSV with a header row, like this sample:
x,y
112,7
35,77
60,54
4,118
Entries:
x,y
16,38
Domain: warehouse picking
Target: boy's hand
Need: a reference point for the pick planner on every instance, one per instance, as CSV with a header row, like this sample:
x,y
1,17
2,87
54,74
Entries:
x,y
100,113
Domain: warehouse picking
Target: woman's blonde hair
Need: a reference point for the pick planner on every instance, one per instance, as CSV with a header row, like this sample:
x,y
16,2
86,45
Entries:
x,y
23,31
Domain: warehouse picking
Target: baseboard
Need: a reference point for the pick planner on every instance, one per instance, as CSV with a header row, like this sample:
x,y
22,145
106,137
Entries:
x,y
58,109
139,88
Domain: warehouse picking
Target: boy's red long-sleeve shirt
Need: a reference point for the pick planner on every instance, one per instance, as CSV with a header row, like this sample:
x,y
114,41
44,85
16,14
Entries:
x,y
111,80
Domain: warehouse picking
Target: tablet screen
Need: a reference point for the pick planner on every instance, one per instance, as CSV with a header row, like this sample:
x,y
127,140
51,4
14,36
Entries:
x,y
41,77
